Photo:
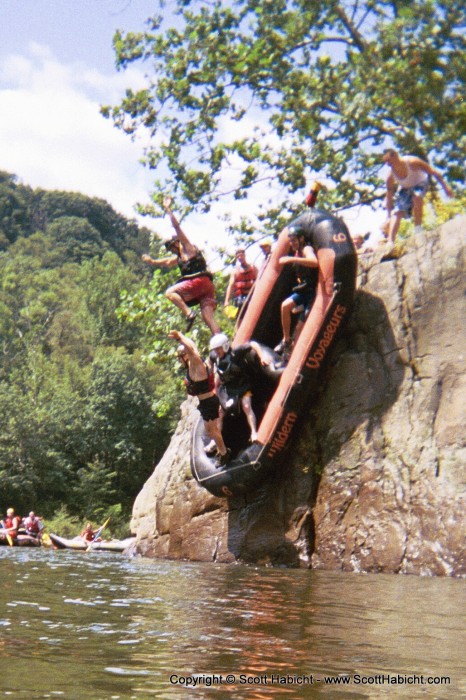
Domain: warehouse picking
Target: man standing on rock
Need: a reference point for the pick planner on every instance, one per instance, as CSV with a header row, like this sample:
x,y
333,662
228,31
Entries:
x,y
200,382
412,175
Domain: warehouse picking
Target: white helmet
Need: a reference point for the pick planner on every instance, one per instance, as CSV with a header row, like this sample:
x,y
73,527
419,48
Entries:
x,y
220,340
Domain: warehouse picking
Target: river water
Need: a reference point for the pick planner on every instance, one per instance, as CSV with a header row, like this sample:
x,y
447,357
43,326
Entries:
x,y
101,626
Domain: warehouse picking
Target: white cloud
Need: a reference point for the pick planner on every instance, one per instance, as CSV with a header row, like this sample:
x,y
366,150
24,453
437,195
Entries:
x,y
52,134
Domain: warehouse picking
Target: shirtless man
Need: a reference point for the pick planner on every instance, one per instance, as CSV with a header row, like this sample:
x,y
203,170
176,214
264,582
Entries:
x,y
412,175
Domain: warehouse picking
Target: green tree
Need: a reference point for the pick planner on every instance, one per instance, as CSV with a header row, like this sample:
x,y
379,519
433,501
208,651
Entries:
x,y
125,438
124,236
289,89
14,209
83,416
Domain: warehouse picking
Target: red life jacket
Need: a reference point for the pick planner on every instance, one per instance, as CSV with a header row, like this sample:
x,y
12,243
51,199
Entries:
x,y
244,279
32,525
12,523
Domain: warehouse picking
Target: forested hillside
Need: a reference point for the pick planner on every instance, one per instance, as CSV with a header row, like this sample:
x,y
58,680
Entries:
x,y
84,416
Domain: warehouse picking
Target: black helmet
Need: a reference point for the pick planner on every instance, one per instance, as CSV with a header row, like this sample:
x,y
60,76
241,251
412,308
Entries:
x,y
172,243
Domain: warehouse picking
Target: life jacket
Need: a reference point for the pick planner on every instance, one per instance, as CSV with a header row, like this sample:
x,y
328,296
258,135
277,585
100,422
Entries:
x,y
32,525
194,267
229,371
201,386
243,281
11,523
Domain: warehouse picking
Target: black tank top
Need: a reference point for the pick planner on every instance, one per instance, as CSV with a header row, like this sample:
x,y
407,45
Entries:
x,y
193,267
202,386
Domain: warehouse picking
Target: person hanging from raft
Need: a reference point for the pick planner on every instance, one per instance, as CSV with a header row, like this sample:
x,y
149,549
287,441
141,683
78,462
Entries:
x,y
200,382
305,263
195,285
235,368
329,238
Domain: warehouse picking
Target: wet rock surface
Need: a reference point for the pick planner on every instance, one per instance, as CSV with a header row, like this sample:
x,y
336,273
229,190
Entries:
x,y
375,481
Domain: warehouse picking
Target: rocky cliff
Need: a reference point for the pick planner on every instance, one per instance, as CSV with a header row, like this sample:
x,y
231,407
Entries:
x,y
375,481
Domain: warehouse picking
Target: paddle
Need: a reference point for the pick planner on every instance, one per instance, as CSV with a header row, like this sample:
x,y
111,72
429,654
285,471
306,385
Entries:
x,y
8,536
45,539
97,534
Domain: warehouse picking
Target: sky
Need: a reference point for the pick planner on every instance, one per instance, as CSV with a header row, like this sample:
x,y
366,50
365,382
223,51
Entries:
x,y
57,69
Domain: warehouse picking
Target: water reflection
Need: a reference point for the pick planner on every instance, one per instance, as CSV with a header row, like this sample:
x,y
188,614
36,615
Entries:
x,y
109,627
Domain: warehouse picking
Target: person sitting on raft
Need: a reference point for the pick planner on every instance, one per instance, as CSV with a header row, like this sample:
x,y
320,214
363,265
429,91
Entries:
x,y
305,263
89,534
33,525
234,371
200,382
195,285
11,522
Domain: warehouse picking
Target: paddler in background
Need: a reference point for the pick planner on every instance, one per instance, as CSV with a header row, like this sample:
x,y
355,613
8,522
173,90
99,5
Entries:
x,y
89,533
11,523
33,525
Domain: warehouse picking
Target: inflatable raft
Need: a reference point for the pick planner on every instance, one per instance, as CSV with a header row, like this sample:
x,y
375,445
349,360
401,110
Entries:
x,y
79,544
281,399
21,540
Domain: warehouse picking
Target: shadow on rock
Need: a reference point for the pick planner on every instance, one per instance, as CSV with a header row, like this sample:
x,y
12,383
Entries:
x,y
275,525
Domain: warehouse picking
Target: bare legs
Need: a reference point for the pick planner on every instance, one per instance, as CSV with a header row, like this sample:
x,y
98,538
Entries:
x,y
286,309
396,218
250,415
209,319
207,311
248,412
212,429
178,300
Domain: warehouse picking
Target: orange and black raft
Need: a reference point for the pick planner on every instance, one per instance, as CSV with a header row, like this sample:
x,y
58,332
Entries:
x,y
280,397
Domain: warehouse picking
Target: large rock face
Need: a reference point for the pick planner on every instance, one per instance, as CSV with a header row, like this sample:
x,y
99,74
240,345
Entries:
x,y
375,481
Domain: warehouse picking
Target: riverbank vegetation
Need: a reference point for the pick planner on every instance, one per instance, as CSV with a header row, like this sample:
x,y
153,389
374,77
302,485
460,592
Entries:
x,y
84,415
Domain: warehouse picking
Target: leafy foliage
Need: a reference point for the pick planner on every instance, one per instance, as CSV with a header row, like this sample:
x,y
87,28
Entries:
x,y
80,424
280,91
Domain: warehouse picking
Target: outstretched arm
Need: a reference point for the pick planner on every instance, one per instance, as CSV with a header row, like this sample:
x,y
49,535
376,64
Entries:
x,y
190,346
188,247
422,165
308,258
161,262
264,360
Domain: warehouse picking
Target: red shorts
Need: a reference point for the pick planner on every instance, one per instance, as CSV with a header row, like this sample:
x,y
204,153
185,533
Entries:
x,y
199,290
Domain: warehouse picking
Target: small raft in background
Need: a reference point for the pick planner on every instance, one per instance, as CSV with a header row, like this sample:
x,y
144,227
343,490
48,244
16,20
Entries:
x,y
20,540
283,398
79,544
